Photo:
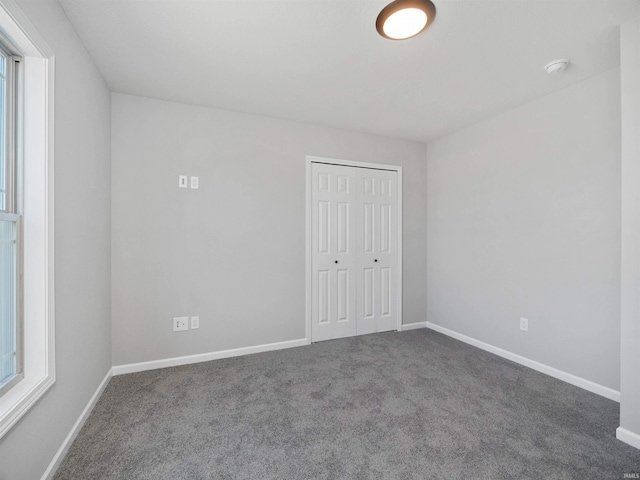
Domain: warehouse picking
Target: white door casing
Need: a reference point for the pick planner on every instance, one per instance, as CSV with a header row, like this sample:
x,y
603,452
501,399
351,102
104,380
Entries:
x,y
354,219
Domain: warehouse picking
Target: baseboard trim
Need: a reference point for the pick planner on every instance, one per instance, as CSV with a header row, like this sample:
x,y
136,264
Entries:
x,y
73,433
527,362
628,437
414,326
205,357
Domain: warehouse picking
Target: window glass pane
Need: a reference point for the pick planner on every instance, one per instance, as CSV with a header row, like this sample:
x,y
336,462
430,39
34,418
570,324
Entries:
x,y
3,166
7,300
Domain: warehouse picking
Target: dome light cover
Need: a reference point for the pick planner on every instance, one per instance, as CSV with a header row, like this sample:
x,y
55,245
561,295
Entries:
x,y
403,19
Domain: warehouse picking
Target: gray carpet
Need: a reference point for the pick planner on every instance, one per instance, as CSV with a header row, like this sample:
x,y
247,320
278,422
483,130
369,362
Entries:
x,y
410,405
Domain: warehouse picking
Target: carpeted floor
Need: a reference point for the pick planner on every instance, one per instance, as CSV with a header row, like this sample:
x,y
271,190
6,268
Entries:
x,y
410,405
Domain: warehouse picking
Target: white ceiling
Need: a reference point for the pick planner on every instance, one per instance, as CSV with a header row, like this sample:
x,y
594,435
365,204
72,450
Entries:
x,y
322,61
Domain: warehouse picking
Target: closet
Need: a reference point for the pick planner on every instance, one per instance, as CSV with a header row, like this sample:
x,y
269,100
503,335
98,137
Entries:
x,y
354,251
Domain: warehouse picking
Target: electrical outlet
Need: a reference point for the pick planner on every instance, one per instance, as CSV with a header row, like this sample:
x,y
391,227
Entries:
x,y
180,324
194,182
182,181
195,322
524,324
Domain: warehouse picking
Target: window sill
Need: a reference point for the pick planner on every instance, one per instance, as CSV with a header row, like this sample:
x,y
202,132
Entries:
x,y
17,401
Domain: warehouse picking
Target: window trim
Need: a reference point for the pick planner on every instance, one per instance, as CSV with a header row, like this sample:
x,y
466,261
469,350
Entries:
x,y
36,147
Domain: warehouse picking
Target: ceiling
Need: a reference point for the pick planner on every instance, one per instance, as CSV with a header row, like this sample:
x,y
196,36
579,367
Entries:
x,y
322,61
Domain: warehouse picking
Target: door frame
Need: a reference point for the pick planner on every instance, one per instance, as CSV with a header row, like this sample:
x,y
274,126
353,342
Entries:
x,y
347,163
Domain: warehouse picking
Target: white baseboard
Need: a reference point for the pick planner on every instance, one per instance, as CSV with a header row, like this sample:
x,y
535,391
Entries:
x,y
414,326
205,357
62,451
540,367
629,437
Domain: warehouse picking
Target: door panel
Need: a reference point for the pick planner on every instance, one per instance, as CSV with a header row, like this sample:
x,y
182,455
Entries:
x,y
369,227
323,227
323,296
343,184
343,296
385,228
333,260
385,291
354,251
377,239
368,293
344,227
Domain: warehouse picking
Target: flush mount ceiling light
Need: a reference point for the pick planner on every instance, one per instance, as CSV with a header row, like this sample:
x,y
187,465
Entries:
x,y
405,18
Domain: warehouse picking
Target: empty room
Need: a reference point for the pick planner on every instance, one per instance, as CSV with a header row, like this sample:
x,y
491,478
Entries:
x,y
319,239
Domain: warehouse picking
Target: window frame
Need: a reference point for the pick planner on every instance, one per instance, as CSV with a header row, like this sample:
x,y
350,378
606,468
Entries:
x,y
12,212
18,288
11,123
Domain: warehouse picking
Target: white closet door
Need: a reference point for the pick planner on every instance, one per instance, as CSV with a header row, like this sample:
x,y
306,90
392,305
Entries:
x,y
377,250
333,252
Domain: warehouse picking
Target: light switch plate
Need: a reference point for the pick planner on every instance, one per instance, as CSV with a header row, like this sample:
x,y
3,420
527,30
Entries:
x,y
182,181
195,322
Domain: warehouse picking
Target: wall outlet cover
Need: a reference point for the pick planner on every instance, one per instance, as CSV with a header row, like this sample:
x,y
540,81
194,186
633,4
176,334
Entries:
x,y
194,182
180,324
524,324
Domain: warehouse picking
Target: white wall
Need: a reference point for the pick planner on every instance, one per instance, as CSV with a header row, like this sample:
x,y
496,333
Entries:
x,y
233,251
630,298
523,220
82,248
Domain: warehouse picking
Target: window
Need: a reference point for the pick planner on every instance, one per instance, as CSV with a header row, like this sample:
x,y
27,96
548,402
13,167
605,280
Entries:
x,y
27,291
10,226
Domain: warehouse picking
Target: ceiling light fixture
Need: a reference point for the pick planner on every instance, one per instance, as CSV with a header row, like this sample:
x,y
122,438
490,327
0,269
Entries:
x,y
403,19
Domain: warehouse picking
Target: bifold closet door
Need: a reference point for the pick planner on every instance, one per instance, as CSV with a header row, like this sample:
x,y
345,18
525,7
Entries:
x,y
354,241
377,249
334,256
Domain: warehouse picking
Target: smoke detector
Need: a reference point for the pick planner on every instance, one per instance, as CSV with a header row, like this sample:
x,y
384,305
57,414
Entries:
x,y
556,66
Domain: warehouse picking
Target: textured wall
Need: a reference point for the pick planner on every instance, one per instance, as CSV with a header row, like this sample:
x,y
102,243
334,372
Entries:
x,y
233,251
82,248
523,220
